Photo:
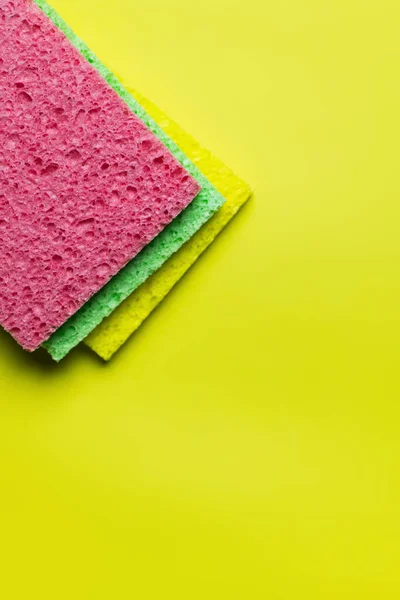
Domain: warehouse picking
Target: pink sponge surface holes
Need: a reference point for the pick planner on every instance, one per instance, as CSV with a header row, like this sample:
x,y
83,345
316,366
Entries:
x,y
84,185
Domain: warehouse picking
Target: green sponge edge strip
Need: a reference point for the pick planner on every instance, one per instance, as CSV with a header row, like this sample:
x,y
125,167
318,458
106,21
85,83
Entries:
x,y
151,258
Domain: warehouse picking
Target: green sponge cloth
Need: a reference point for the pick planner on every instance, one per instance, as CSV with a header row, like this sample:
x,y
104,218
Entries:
x,y
151,258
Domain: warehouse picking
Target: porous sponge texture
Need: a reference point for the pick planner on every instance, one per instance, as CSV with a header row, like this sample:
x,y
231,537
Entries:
x,y
206,203
84,184
113,332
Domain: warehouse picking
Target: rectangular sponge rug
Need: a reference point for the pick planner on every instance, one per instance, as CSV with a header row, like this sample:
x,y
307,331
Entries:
x,y
113,332
152,257
84,184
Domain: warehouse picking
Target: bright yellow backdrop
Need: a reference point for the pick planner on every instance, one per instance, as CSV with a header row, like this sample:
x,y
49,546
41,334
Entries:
x,y
245,443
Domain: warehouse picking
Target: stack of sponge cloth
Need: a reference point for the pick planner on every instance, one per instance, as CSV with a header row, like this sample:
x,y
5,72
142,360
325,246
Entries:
x,y
104,201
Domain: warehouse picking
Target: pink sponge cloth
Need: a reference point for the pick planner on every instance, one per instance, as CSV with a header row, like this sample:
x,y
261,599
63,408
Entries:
x,y
84,184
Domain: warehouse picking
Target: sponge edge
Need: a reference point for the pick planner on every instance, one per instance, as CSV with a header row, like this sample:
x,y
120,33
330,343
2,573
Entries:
x,y
113,332
206,203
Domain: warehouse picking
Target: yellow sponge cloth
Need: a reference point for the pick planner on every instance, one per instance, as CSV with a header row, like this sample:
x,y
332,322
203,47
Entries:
x,y
109,336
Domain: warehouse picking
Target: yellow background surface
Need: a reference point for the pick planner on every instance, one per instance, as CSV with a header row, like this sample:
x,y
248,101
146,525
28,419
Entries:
x,y
244,444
